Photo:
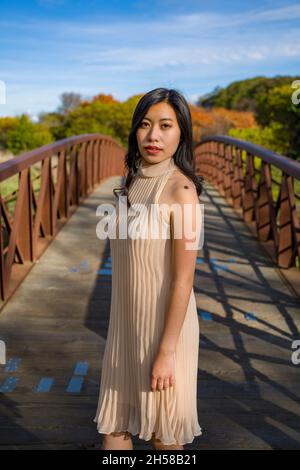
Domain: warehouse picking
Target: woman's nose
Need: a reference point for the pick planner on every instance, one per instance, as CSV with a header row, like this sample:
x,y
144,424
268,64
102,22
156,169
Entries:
x,y
153,134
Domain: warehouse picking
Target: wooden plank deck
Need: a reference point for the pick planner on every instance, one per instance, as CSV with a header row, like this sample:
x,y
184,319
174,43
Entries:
x,y
56,324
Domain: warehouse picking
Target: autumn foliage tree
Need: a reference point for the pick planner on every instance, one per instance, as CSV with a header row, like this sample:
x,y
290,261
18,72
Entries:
x,y
257,109
276,119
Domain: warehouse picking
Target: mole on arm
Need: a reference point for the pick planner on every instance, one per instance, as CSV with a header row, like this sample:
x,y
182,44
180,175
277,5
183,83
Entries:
x,y
186,187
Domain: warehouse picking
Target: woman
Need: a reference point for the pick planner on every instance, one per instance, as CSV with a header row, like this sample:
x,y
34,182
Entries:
x,y
149,372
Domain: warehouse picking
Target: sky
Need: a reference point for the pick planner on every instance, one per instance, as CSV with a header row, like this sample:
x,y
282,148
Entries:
x,y
122,47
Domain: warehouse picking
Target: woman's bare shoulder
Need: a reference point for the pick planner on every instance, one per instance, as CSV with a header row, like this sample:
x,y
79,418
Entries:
x,y
180,179
177,183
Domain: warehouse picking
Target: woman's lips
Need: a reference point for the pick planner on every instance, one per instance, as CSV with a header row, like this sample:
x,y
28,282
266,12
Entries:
x,y
152,150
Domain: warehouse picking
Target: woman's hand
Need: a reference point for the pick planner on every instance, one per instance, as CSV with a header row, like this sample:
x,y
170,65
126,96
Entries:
x,y
163,371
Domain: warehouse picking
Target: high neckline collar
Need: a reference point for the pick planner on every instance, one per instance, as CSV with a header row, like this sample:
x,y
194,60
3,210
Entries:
x,y
156,169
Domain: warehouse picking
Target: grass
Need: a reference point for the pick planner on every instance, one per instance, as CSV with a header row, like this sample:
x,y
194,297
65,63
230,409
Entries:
x,y
11,185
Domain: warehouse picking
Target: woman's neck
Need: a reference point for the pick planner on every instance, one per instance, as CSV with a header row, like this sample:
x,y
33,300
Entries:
x,y
147,169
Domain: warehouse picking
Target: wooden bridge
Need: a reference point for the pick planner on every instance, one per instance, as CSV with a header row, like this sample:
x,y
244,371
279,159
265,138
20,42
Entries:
x,y
55,281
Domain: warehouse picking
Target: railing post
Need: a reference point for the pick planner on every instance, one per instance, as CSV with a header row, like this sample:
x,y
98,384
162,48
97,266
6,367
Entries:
x,y
60,200
289,229
89,166
238,181
25,222
249,190
265,212
2,284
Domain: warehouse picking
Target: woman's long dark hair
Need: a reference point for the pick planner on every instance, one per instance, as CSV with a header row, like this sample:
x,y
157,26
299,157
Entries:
x,y
184,155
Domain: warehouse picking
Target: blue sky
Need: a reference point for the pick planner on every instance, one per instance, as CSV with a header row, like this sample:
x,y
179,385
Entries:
x,y
48,47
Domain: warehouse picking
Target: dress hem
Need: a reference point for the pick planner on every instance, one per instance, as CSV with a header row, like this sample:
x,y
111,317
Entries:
x,y
146,438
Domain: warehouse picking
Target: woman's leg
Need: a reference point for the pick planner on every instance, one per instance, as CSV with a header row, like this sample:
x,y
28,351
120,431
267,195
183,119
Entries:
x,y
158,445
117,441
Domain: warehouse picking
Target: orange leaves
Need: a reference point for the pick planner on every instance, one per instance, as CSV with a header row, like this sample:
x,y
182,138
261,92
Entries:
x,y
218,120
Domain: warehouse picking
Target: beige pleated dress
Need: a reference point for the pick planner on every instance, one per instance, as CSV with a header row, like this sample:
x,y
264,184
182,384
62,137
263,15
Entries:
x,y
141,276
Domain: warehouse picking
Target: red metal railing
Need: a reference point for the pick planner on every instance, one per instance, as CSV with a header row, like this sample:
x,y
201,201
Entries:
x,y
262,184
47,184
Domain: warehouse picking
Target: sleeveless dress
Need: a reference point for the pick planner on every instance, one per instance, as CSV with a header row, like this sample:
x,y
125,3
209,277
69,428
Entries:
x,y
141,276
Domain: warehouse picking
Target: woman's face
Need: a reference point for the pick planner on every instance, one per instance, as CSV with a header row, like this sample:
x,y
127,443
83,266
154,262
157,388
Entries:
x,y
159,128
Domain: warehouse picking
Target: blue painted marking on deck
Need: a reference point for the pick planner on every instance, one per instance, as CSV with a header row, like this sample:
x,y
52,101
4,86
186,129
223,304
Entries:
x,y
9,384
84,264
81,368
73,269
250,316
205,315
214,261
12,364
104,271
44,385
75,385
220,266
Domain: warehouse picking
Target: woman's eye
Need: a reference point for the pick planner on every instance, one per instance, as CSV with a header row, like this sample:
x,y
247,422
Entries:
x,y
164,125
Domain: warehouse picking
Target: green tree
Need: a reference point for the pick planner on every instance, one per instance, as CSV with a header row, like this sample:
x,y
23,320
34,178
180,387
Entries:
x,y
243,95
276,106
6,124
107,117
27,136
273,137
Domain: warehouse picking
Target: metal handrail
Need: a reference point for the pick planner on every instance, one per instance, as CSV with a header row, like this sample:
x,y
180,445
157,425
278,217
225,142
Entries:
x,y
80,163
229,164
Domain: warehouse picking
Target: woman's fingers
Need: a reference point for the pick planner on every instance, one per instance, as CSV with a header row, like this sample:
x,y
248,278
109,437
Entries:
x,y
172,381
166,383
153,384
162,384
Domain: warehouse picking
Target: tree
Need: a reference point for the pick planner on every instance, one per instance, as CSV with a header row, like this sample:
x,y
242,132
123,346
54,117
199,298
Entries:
x,y
69,101
269,99
244,94
276,106
27,135
272,137
205,101
6,124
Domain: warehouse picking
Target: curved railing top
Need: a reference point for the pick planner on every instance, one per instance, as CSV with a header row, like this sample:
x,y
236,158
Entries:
x,y
27,159
289,166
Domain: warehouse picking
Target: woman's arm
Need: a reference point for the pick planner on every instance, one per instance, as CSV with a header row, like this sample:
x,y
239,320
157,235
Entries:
x,y
185,236
185,218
